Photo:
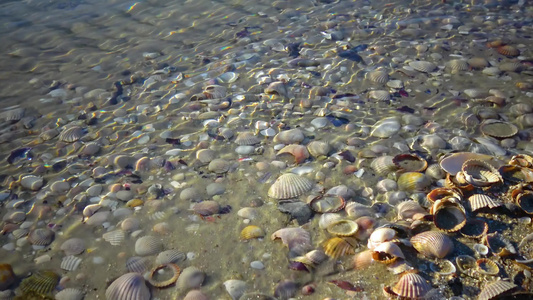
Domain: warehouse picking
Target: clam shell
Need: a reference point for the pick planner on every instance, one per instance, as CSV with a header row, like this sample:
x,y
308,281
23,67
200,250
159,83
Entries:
x,y
71,134
297,239
380,235
166,282
170,256
318,148
480,201
480,174
380,95
475,228
395,84
291,136
449,218
70,263
410,163
327,204
41,236
454,162
411,286
457,65
7,277
190,278
413,181
206,208
247,138
510,67
215,91
423,66
487,266
495,289
41,282
525,201
195,295
498,129
362,260
69,294
288,186
508,50
114,237
31,182
327,219
383,165
130,286
138,264
516,174
148,245
432,244
409,209
387,253
443,267
377,76
478,62
205,156
219,166
443,193
343,228
339,246
499,245
316,256
252,232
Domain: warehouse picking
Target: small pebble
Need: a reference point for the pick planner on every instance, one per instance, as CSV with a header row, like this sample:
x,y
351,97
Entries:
x,y
257,265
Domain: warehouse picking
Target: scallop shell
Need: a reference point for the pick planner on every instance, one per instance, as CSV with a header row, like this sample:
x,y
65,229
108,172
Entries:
x,y
475,228
69,294
70,263
206,208
291,136
138,264
432,244
41,282
247,138
443,267
167,282
130,286
190,278
383,165
423,66
252,232
498,129
41,236
377,76
499,245
413,181
510,66
411,286
195,295
495,289
480,174
219,166
288,186
7,277
380,235
318,148
453,163
387,253
31,182
457,65
466,264
148,245
480,201
343,228
170,256
487,266
379,95
114,237
508,50
71,134
339,246
327,204
410,163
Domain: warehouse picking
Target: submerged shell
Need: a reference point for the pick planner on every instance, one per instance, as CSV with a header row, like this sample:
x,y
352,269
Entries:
x,y
432,244
508,50
70,263
343,228
423,66
73,246
166,282
114,237
71,134
498,129
387,253
252,232
327,204
339,246
413,181
190,278
288,186
383,165
32,182
69,294
195,295
130,286
41,236
7,276
297,239
298,152
378,76
170,256
219,166
41,282
318,148
12,115
148,245
453,163
495,289
456,65
206,208
138,264
410,163
247,138
380,95
411,286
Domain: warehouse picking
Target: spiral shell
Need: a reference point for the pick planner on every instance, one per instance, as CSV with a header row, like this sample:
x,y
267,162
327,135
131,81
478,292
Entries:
x,y
423,66
148,245
495,289
288,186
71,134
130,286
339,246
432,244
252,232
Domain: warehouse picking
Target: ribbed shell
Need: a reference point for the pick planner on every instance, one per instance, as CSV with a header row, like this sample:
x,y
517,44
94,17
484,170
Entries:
x,y
494,289
138,264
71,134
456,65
432,244
190,278
449,218
41,282
69,294
215,91
13,115
148,245
508,50
408,209
327,204
487,266
383,165
413,181
70,263
478,62
247,138
114,237
479,201
41,236
318,148
343,228
339,246
498,129
480,174
378,76
195,295
395,84
379,95
510,67
252,232
288,186
130,286
411,286
170,256
49,134
423,66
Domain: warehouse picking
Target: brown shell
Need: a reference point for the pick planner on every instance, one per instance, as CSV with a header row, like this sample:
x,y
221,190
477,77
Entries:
x,y
525,201
432,244
297,152
466,264
498,129
387,253
516,174
343,228
41,236
508,50
522,160
499,245
411,286
168,282
327,204
442,193
449,217
495,289
339,246
410,163
480,201
475,228
409,210
206,208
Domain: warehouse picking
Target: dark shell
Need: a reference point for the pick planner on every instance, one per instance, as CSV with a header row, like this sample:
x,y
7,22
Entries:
x,y
130,286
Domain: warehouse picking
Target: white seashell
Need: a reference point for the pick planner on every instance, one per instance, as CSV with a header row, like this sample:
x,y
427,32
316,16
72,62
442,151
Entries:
x,y
158,215
138,264
228,77
170,256
12,115
70,263
235,288
247,138
476,93
130,286
386,128
114,237
41,236
379,95
190,278
288,186
479,201
291,136
378,76
395,84
248,213
456,65
71,134
423,66
148,245
69,294
327,219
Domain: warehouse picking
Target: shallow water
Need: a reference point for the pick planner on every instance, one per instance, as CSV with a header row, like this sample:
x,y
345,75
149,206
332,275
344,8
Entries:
x,y
132,76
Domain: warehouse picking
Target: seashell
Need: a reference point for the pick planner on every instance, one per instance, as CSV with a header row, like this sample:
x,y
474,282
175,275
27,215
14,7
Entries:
x,y
410,286
380,235
49,134
498,129
343,228
453,163
457,65
487,267
318,148
69,294
291,136
206,208
72,134
130,224
413,181
205,156
70,263
525,201
339,246
170,256
130,286
478,62
114,237
138,264
422,66
480,173
327,204
432,244
508,50
387,253
385,128
383,165
363,259
235,288
409,163
41,236
285,289
499,245
31,182
516,174
215,91
379,95
250,213
316,256
395,84
481,249
41,283
327,219
289,185
298,152
443,193
475,228
20,233
466,264
277,88
167,282
252,232
16,217
196,295
443,267
297,239
480,201
377,76
7,277
247,138
12,115
148,245
495,289
512,66
219,166
410,209
190,278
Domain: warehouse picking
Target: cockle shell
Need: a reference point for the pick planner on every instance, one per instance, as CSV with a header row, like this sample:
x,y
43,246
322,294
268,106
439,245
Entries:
x,y
487,266
456,65
138,264
71,134
206,208
327,204
252,232
170,256
508,50
413,181
409,210
114,237
339,246
40,282
69,294
475,228
480,173
291,136
387,253
448,217
148,245
380,235
130,286
383,165
288,186
423,66
318,148
247,138
219,166
454,162
380,95
480,201
495,289
297,239
410,286
298,152
195,295
378,76
41,236
12,115
432,244
409,163
215,91
70,263
190,278
478,62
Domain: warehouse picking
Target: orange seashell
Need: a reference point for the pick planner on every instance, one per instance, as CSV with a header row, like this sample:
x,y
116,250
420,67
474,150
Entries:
x,y
508,50
442,193
448,216
475,228
340,246
7,277
362,260
495,44
387,253
298,152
